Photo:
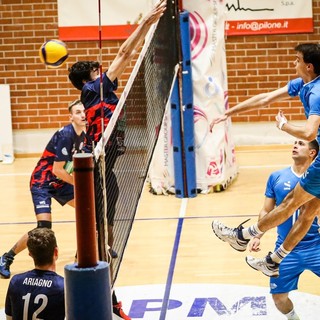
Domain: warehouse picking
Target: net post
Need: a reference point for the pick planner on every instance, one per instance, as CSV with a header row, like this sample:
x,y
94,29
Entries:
x,y
177,141
87,283
188,110
85,210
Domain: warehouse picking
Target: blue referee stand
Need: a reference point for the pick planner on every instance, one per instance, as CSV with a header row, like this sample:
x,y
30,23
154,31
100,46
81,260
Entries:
x,y
182,119
87,283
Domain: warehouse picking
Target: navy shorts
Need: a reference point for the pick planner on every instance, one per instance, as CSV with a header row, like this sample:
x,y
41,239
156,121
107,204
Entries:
x,y
310,180
41,197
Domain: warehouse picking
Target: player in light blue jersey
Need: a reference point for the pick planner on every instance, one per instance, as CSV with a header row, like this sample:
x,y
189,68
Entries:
x,y
307,192
38,293
306,255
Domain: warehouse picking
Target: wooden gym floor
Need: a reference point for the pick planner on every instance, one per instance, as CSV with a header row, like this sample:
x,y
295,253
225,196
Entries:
x,y
172,262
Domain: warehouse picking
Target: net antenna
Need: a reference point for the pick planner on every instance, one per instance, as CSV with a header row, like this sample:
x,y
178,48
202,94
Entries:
x,y
180,5
102,155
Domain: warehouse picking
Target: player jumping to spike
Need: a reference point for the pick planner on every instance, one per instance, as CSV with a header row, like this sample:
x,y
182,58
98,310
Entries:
x,y
307,191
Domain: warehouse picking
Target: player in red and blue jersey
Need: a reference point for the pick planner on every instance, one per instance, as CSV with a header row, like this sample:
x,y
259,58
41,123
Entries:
x,y
84,75
52,177
38,293
306,255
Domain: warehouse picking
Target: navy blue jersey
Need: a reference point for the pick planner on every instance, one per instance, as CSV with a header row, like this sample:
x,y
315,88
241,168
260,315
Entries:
x,y
63,144
279,184
90,98
36,294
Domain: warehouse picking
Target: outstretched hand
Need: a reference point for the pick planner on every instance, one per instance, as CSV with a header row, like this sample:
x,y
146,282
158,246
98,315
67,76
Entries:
x,y
217,120
254,245
281,119
156,13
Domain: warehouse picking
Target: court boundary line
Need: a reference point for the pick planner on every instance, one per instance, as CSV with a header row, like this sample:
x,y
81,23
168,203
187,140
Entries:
x,y
182,213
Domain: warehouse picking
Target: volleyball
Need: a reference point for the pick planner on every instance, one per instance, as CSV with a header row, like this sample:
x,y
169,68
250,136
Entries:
x,y
53,53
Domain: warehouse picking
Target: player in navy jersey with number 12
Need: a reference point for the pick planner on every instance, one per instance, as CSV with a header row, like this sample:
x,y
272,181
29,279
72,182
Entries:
x,y
38,293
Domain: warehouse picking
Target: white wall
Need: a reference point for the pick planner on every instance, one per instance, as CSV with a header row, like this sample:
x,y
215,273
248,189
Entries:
x,y
6,148
260,133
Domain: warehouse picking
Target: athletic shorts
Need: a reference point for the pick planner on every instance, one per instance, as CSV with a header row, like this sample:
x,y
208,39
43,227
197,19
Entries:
x,y
42,197
292,266
310,181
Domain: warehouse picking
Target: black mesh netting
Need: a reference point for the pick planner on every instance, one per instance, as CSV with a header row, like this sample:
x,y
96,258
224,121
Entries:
x,y
139,123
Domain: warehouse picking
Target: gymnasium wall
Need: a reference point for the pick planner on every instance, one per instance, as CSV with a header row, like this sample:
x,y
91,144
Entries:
x,y
39,96
260,63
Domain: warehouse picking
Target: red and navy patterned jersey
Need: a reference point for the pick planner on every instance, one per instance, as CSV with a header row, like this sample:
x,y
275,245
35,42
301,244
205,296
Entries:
x,y
61,147
90,97
36,294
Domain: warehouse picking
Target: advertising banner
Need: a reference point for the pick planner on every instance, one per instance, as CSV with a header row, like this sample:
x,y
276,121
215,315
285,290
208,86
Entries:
x,y
79,19
245,17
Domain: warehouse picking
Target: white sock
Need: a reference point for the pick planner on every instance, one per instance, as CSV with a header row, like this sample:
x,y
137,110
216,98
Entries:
x,y
251,232
279,254
292,315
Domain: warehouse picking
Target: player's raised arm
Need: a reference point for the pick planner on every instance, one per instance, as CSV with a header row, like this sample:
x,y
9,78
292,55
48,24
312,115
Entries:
x,y
134,41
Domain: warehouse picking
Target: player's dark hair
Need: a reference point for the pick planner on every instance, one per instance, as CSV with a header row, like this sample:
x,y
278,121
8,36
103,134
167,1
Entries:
x,y
41,244
314,145
311,54
80,71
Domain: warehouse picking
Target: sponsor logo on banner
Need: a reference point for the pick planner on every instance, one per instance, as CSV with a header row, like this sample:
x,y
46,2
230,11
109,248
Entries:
x,y
245,17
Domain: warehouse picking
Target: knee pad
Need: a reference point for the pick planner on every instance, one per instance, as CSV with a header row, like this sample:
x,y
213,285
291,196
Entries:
x,y
44,224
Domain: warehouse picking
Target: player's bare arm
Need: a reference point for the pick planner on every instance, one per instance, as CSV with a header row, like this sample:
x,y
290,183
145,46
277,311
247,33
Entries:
x,y
259,101
129,47
307,132
59,171
269,204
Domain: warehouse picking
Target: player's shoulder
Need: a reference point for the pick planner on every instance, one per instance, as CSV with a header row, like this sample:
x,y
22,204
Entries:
x,y
66,131
20,276
281,172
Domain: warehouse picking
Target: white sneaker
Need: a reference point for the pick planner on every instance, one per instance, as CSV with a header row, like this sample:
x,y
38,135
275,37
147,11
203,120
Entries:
x,y
230,235
266,265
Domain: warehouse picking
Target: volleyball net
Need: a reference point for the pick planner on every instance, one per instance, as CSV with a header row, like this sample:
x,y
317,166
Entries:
x,y
124,153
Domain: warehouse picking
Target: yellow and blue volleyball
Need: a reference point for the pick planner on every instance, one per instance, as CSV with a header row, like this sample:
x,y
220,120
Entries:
x,y
53,53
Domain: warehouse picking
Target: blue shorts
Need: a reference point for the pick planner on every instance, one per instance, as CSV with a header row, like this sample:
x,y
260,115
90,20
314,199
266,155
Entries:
x,y
310,180
293,265
42,197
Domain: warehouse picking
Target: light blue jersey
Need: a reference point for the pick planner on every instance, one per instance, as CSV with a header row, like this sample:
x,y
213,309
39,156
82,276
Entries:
x,y
309,94
306,255
279,184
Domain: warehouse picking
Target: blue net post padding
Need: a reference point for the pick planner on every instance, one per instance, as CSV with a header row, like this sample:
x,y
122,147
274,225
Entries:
x,y
177,142
187,102
88,292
